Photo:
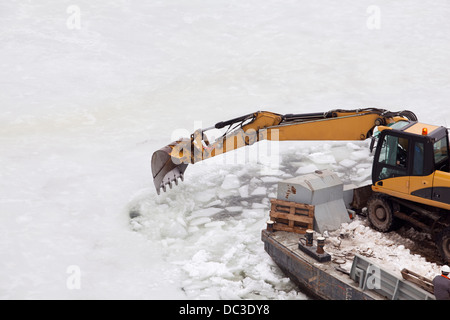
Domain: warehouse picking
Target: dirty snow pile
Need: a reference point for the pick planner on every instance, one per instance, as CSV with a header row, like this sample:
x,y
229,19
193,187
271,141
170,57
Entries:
x,y
389,251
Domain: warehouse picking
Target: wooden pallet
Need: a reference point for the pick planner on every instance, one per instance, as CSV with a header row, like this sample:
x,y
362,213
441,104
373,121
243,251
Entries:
x,y
291,216
419,280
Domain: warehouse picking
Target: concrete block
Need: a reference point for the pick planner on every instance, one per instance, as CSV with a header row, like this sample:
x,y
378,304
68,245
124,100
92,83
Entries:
x,y
348,194
330,215
312,188
325,191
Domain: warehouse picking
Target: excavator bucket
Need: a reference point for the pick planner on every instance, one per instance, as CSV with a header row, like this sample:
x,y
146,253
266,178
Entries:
x,y
165,171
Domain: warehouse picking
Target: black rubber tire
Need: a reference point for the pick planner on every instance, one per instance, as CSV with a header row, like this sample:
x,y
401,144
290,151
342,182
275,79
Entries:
x,y
380,213
443,244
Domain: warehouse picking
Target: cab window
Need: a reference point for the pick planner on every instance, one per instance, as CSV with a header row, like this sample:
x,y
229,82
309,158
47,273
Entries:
x,y
393,158
440,149
419,160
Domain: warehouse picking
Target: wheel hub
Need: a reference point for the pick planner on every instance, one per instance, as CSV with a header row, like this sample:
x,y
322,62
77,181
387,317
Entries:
x,y
380,213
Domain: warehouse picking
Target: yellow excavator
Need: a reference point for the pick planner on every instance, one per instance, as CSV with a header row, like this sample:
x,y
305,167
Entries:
x,y
410,171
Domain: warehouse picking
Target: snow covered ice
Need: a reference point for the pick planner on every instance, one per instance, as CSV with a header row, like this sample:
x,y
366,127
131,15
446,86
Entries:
x,y
85,100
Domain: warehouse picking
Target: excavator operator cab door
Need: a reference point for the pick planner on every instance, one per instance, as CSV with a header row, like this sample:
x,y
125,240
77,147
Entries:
x,y
441,180
402,162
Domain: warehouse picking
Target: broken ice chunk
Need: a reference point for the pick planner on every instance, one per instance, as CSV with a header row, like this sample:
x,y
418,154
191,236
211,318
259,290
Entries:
x,y
243,191
322,158
207,212
360,155
347,163
231,181
306,169
200,221
234,209
270,179
256,205
260,191
205,195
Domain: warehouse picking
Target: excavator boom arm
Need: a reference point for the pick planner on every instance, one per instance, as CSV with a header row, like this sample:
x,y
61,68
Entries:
x,y
170,162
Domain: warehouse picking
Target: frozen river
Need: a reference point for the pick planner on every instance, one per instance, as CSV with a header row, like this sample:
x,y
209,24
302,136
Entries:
x,y
90,90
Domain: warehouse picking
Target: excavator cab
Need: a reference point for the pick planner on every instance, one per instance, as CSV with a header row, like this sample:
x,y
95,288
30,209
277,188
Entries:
x,y
413,163
411,182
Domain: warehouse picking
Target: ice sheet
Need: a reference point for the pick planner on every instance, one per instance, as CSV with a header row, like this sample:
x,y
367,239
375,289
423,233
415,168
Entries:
x,y
82,110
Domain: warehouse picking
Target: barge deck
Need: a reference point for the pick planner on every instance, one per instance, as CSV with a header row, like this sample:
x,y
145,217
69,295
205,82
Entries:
x,y
324,280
